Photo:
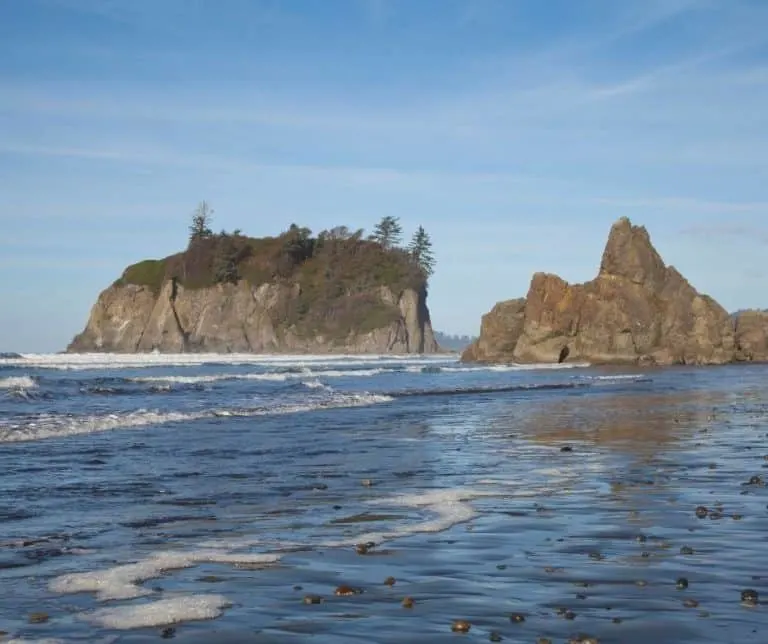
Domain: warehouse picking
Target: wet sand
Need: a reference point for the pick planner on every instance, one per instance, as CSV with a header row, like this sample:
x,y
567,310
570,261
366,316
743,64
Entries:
x,y
578,518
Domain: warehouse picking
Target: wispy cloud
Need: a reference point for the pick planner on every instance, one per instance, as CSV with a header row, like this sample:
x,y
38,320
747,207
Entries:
x,y
734,232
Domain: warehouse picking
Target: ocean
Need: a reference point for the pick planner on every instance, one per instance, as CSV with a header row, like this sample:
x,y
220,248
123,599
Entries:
x,y
228,498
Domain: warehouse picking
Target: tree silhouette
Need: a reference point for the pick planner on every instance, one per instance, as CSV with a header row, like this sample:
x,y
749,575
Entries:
x,y
200,228
388,232
420,249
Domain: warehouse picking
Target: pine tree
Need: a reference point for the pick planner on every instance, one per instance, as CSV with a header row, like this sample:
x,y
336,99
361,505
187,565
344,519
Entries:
x,y
388,232
200,227
420,249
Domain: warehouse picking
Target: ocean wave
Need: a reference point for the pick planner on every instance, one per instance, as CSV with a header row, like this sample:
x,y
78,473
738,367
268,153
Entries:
x,y
490,389
56,426
83,361
18,382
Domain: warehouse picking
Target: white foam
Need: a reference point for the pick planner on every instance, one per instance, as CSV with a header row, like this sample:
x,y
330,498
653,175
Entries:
x,y
17,382
280,376
446,507
58,426
160,613
141,360
122,582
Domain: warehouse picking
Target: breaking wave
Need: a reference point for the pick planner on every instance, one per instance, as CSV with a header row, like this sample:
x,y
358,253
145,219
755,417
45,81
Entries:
x,y
55,426
18,382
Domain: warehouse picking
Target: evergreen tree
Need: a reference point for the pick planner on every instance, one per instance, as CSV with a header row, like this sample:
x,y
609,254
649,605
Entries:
x,y
388,232
420,249
225,260
200,228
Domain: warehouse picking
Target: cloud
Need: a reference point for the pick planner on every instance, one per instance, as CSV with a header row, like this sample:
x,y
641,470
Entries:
x,y
720,232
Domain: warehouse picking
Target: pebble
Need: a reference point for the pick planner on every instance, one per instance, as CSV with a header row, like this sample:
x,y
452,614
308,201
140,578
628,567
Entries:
x,y
367,483
690,603
461,626
346,591
543,640
407,602
41,618
313,599
517,618
168,632
495,637
701,512
749,597
686,550
389,581
681,583
361,548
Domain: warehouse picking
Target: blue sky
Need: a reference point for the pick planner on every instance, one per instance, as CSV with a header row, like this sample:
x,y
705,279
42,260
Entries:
x,y
515,131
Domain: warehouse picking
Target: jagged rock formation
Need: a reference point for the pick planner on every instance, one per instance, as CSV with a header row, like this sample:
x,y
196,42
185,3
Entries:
x,y
751,335
345,295
637,310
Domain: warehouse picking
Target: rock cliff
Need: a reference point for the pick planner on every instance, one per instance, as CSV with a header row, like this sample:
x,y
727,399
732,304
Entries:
x,y
343,295
637,310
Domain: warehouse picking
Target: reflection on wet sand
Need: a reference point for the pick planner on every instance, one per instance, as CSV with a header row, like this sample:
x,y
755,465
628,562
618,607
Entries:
x,y
632,422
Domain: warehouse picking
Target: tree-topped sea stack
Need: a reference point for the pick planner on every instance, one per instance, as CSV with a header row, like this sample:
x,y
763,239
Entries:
x,y
334,292
637,310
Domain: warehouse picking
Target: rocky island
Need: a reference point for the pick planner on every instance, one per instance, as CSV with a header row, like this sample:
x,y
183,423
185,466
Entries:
x,y
636,311
296,293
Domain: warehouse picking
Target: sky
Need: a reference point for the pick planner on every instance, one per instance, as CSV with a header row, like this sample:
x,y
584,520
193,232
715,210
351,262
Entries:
x,y
514,131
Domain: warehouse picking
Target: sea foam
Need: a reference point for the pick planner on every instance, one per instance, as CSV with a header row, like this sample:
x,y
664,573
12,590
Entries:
x,y
122,582
17,382
159,613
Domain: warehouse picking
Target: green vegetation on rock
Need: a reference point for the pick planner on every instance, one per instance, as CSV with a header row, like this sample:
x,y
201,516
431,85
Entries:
x,y
336,275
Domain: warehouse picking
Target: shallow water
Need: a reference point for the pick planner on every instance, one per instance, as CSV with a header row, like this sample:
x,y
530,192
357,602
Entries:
x,y
215,493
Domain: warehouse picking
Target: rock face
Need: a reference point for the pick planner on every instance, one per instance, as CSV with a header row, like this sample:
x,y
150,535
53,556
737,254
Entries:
x,y
239,318
637,310
752,335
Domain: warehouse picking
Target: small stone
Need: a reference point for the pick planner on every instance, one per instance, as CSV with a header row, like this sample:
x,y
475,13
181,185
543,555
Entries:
x,y
298,587
566,448
583,639
168,632
617,620
389,581
641,538
361,549
686,550
755,480
346,591
38,618
501,567
690,603
517,618
681,583
749,597
701,512
407,602
596,556
495,637
367,483
313,599
543,640
461,626
737,517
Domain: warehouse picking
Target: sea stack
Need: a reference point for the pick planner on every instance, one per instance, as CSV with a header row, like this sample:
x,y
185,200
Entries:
x,y
637,310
